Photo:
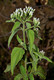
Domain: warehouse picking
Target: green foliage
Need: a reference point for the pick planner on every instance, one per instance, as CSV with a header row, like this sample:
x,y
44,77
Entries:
x,y
21,43
16,56
11,36
34,66
19,40
30,34
31,76
35,48
29,68
28,25
18,77
10,20
8,68
29,51
41,73
16,25
23,72
41,56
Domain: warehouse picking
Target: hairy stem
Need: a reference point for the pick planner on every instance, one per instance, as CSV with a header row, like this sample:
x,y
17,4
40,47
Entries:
x,y
25,62
24,43
24,32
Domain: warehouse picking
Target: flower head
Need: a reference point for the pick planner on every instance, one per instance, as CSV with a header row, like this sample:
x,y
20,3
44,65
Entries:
x,y
42,52
36,21
26,12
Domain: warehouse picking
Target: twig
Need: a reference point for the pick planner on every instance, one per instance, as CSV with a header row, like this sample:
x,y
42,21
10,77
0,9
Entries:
x,y
29,63
4,48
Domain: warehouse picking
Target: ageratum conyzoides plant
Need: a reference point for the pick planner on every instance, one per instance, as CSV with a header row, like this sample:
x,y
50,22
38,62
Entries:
x,y
27,55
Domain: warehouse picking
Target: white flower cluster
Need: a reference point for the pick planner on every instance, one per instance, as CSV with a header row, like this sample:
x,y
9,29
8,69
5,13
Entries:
x,y
42,52
26,12
36,21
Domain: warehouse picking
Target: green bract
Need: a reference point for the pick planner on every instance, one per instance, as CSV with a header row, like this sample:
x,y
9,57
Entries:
x,y
26,50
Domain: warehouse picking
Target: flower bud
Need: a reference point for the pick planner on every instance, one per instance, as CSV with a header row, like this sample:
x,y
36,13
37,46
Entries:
x,y
36,21
11,15
27,11
42,52
31,14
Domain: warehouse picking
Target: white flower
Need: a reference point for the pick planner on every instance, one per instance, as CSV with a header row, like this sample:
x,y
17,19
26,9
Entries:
x,y
36,21
34,10
21,14
27,11
36,29
26,7
11,15
31,13
16,10
20,8
42,52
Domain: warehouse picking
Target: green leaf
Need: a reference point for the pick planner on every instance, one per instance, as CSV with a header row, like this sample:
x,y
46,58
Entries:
x,y
18,39
10,20
23,72
16,25
33,56
28,20
34,65
31,76
34,62
29,68
49,60
11,36
16,56
41,56
35,48
22,43
41,72
30,34
8,68
18,77
36,34
28,25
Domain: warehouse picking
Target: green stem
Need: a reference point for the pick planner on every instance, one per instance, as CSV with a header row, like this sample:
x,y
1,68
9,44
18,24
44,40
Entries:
x,y
24,32
25,62
24,43
29,28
